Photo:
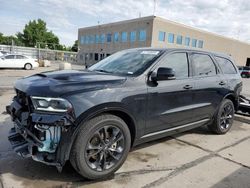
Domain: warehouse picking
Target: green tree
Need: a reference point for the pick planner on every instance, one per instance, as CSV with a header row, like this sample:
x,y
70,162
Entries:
x,y
1,38
36,32
74,48
7,40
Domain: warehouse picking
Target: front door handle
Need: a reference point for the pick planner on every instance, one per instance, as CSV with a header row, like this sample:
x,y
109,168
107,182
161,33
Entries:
x,y
187,87
222,83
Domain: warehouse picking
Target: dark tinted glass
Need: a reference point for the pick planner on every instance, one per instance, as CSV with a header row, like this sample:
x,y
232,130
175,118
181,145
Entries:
x,y
20,57
246,68
178,62
226,65
10,57
203,65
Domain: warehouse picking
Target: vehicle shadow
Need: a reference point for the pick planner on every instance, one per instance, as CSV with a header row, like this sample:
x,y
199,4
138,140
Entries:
x,y
238,178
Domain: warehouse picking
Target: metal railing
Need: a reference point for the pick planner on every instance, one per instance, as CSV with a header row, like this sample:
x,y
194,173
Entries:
x,y
40,53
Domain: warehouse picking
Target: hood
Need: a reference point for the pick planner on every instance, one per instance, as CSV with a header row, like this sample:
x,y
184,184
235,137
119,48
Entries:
x,y
58,83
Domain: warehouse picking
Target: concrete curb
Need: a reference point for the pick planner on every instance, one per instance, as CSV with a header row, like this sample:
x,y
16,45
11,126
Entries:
x,y
242,118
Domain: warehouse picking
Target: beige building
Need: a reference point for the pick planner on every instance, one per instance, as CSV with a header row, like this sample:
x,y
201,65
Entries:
x,y
100,41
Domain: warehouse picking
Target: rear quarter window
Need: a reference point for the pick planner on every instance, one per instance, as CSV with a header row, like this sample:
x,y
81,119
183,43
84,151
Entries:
x,y
226,65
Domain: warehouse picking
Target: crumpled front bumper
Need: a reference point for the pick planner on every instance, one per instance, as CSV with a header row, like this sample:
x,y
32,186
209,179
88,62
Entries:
x,y
28,140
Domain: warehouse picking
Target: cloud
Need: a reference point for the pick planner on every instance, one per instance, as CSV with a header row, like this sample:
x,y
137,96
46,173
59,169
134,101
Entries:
x,y
64,17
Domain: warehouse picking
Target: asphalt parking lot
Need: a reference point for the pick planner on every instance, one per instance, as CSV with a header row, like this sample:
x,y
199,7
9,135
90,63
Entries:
x,y
192,159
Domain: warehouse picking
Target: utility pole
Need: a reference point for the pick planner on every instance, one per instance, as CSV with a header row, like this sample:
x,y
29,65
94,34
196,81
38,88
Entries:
x,y
154,7
12,45
38,51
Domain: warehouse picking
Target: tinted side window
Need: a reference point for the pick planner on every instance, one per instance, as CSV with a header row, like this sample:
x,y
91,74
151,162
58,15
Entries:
x,y
10,57
20,57
203,65
226,65
178,62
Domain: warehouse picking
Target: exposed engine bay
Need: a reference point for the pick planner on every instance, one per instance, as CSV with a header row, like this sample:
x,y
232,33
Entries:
x,y
36,134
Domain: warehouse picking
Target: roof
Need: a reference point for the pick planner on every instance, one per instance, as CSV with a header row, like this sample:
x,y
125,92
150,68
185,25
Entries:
x,y
120,22
166,21
183,49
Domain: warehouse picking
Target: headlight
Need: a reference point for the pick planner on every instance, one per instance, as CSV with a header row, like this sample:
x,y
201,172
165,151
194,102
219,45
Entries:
x,y
51,104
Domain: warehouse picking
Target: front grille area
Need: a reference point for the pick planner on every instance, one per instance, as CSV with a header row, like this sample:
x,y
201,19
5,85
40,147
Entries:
x,y
22,98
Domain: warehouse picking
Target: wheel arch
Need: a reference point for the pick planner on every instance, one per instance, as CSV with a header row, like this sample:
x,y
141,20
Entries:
x,y
112,108
116,109
233,98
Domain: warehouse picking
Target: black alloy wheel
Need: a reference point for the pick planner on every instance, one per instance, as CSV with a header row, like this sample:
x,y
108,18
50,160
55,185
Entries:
x,y
101,147
105,148
223,119
226,118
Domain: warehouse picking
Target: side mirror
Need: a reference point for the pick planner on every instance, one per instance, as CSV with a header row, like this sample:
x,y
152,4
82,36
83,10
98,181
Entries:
x,y
163,74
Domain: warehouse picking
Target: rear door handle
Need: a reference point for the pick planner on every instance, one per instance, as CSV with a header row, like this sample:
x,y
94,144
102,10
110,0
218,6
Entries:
x,y
222,83
187,87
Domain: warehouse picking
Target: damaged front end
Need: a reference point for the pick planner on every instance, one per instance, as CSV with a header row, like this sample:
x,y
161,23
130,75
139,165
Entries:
x,y
39,127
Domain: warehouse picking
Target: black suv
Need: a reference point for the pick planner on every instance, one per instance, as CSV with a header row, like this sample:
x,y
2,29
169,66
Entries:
x,y
93,117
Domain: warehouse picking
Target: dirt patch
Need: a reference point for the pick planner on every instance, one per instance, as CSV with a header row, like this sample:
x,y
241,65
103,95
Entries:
x,y
142,157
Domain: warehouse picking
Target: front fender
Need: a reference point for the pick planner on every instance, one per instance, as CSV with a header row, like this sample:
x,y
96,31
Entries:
x,y
69,138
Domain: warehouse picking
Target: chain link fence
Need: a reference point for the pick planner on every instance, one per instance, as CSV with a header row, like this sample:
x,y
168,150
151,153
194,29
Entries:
x,y
42,54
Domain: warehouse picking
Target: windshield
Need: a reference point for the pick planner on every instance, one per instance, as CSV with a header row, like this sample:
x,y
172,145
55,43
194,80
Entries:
x,y
128,62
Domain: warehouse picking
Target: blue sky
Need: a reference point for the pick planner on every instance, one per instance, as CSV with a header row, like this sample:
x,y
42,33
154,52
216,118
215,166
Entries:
x,y
64,17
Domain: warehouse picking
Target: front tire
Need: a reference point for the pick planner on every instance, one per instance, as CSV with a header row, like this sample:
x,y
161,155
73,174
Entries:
x,y
101,147
27,66
223,119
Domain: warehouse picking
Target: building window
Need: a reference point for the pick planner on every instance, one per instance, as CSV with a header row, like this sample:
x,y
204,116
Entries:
x,y
92,39
132,36
109,36
194,42
96,56
179,39
102,56
124,36
90,56
116,37
102,38
87,39
142,35
161,36
96,39
170,38
82,40
200,44
187,41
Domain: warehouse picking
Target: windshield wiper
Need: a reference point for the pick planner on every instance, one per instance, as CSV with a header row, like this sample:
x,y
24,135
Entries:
x,y
101,70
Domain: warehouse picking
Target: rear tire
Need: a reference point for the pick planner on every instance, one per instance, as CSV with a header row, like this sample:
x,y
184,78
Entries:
x,y
27,66
101,147
223,119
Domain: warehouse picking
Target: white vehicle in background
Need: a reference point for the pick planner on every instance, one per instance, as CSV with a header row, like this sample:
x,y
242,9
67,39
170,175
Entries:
x,y
18,61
